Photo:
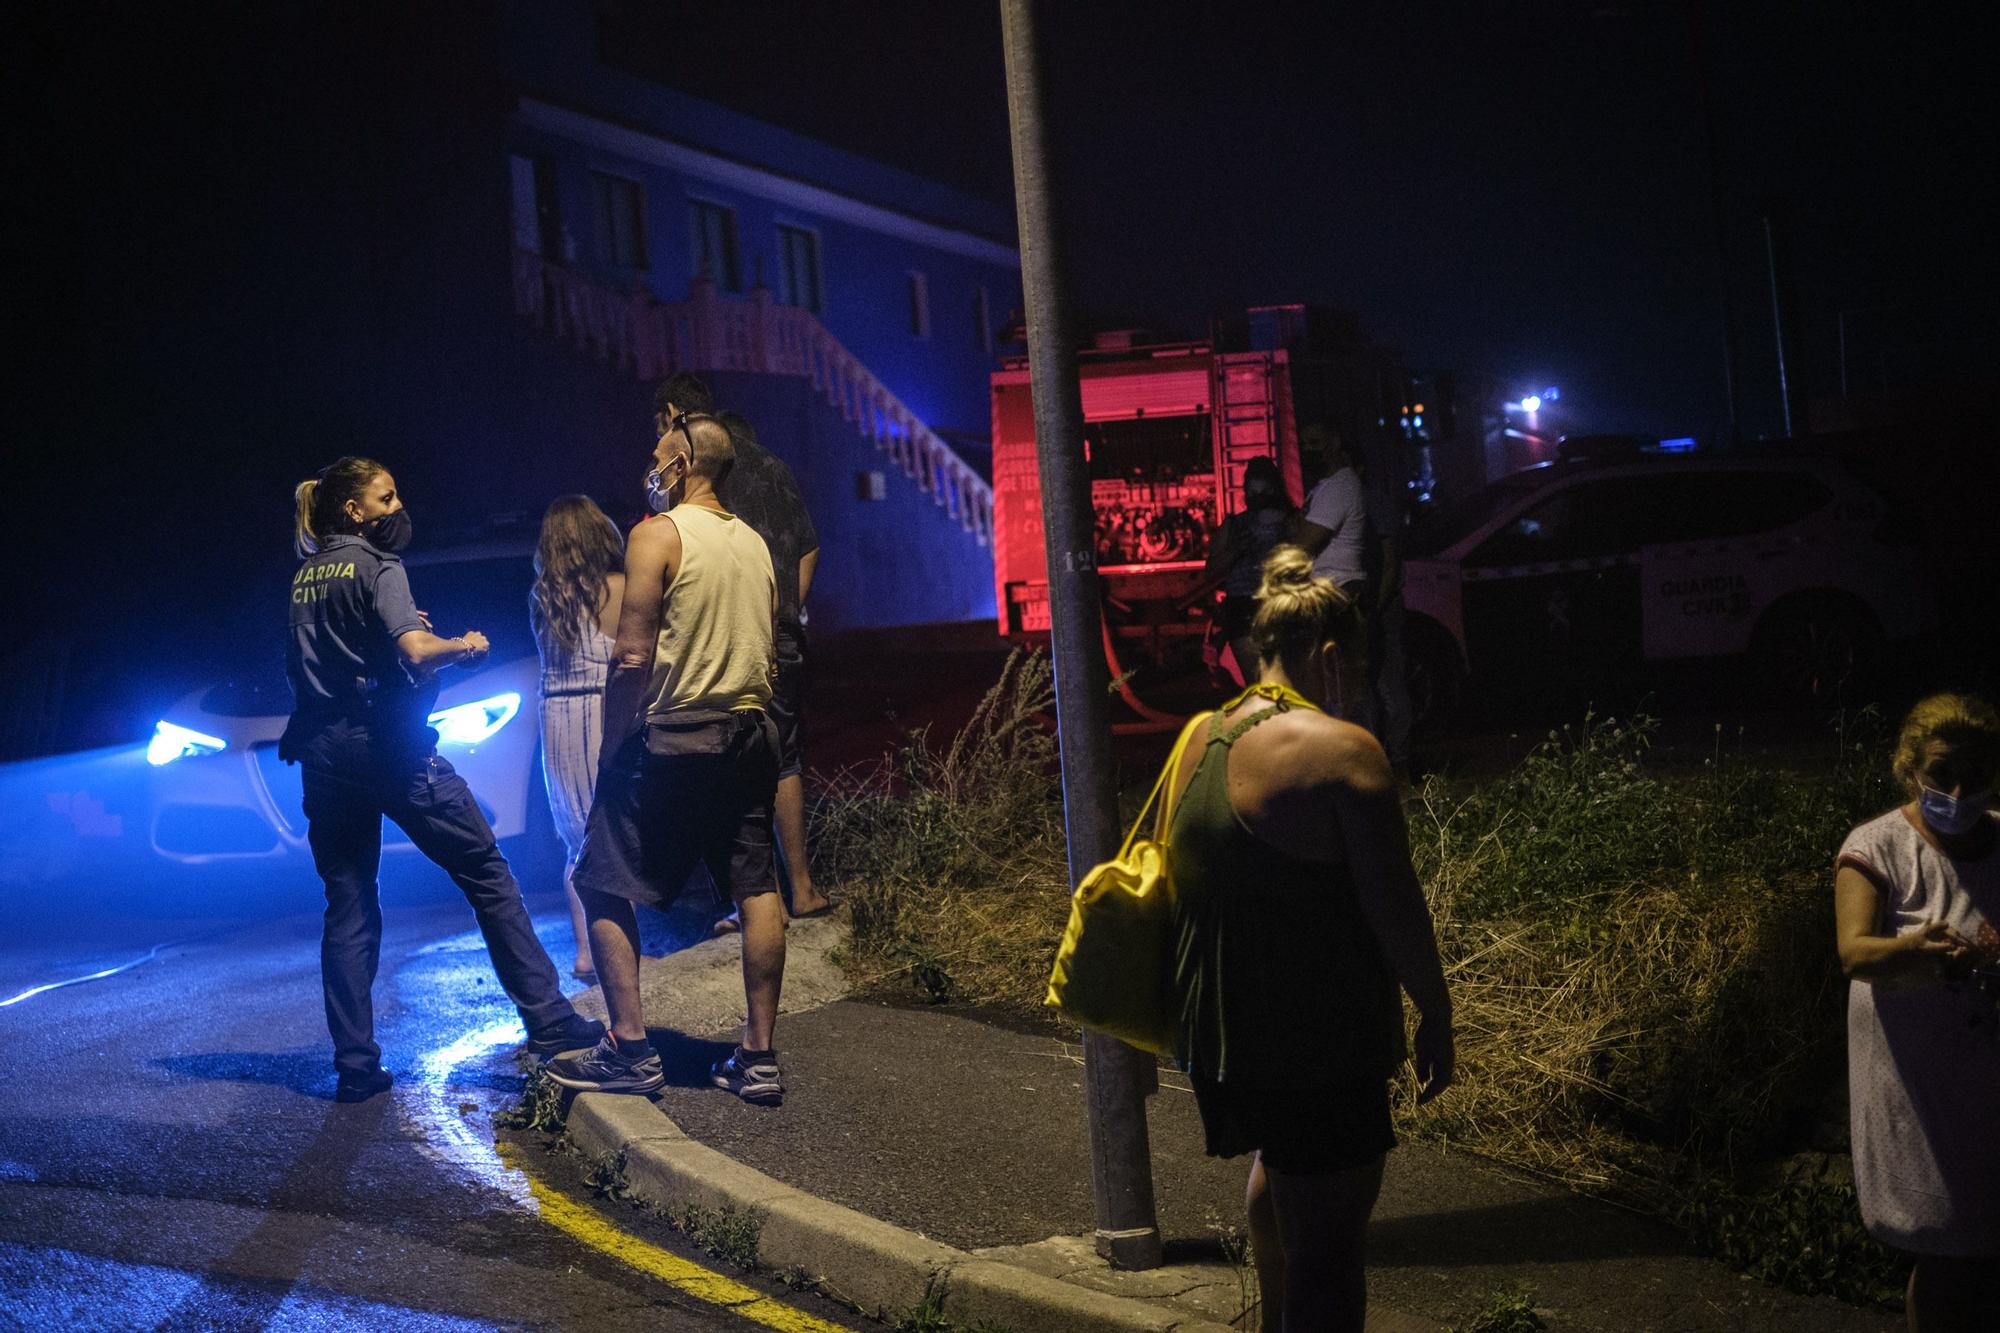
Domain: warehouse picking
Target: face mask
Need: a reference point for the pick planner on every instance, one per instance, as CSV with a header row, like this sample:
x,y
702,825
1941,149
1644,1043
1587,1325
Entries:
x,y
388,532
1953,815
661,494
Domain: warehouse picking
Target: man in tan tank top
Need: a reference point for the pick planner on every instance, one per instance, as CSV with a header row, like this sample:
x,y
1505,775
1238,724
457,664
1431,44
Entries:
x,y
690,761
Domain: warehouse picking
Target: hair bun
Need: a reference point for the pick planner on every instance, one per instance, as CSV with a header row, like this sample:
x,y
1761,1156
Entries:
x,y
1286,569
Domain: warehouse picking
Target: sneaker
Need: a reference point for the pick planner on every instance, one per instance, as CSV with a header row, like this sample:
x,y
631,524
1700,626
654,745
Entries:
x,y
755,1081
360,1085
574,1033
604,1068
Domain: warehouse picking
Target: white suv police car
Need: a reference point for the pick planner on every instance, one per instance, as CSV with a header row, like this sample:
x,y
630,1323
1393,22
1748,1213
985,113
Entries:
x,y
1573,570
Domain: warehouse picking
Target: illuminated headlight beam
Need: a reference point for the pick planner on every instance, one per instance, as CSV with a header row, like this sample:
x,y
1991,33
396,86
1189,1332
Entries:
x,y
469,724
171,742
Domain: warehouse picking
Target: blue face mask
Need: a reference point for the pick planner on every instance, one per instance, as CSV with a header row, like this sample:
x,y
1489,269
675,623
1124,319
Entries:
x,y
1953,815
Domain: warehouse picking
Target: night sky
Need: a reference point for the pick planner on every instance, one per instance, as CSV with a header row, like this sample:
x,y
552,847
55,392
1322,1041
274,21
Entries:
x,y
1521,188
217,209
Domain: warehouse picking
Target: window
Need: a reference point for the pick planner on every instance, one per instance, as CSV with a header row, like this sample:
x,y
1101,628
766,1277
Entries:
x,y
1615,516
489,593
714,228
982,319
1152,450
1720,505
798,267
920,305
537,219
621,225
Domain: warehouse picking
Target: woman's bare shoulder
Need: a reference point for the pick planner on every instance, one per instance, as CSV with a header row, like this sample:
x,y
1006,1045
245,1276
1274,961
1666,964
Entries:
x,y
1326,751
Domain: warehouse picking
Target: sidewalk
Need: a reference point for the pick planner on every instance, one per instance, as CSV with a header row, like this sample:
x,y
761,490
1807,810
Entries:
x,y
973,1137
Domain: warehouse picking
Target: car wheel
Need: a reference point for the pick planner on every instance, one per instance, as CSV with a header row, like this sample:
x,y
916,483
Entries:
x,y
1816,651
1434,673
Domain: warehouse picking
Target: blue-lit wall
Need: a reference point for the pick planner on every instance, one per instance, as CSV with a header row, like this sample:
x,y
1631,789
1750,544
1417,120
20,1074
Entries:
x,y
899,560
549,52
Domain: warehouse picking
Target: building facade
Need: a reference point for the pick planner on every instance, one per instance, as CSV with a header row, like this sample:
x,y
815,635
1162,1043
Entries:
x,y
653,232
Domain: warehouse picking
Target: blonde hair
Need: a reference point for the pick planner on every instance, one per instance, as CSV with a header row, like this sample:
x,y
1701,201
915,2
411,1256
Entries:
x,y
1959,720
1297,609
319,502
580,547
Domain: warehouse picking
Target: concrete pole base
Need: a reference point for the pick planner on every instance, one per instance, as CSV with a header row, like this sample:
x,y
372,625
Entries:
x,y
1134,1250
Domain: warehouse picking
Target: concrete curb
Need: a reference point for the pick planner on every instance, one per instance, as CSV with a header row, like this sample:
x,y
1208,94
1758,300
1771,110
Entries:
x,y
876,1267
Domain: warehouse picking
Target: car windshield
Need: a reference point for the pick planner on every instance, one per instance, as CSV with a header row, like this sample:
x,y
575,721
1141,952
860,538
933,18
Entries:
x,y
489,595
1459,518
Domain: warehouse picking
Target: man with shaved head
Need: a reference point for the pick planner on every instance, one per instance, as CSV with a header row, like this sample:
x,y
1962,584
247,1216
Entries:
x,y
690,761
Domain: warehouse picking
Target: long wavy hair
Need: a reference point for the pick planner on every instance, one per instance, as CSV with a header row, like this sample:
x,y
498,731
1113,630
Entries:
x,y
580,547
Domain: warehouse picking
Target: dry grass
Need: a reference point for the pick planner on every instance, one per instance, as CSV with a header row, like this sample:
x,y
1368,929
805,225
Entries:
x,y
952,863
1599,1058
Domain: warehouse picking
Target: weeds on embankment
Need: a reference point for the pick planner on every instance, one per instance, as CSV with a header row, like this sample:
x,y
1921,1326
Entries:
x,y
1641,958
951,862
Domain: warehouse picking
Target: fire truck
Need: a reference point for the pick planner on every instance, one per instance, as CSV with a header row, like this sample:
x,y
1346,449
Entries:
x,y
1168,428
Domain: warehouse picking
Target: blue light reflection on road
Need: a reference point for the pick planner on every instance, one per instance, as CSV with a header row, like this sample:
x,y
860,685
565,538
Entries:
x,y
51,1288
43,989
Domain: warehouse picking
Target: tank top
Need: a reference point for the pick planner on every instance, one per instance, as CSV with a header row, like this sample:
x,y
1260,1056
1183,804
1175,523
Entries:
x,y
1279,980
715,644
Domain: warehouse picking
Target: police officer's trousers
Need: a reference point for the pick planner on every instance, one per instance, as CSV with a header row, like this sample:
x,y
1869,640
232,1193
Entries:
x,y
344,806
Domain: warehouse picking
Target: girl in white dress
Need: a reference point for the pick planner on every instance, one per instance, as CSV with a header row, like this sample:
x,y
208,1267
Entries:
x,y
1917,899
579,586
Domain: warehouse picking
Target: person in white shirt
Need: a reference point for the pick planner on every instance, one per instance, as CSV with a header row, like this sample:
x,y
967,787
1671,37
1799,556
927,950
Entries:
x,y
1335,534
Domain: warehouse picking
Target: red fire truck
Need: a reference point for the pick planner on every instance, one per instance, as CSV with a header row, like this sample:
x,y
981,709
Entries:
x,y
1168,428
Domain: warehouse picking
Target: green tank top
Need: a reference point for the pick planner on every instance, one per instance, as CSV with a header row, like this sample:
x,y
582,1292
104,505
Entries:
x,y
1279,980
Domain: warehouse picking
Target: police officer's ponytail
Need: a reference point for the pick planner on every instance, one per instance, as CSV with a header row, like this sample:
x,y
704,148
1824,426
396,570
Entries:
x,y
319,502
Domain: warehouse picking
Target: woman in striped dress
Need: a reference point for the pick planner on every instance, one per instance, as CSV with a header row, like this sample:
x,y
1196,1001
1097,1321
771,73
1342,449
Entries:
x,y
579,586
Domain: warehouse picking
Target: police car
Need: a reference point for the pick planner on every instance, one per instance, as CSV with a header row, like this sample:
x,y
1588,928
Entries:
x,y
220,794
1572,570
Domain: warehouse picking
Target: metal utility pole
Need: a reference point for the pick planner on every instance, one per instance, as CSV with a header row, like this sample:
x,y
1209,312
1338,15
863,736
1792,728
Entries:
x,y
1777,258
1116,1077
1697,28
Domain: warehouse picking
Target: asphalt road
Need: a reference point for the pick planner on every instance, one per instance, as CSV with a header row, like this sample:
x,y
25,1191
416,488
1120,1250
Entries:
x,y
171,1157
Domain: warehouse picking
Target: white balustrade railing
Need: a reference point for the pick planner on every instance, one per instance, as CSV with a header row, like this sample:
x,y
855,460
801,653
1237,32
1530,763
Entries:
x,y
633,331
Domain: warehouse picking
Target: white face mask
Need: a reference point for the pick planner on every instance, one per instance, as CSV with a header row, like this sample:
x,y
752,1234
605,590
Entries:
x,y
1953,815
661,494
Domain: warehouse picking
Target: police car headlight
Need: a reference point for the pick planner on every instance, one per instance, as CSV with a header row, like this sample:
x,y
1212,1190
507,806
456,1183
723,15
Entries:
x,y
171,742
469,724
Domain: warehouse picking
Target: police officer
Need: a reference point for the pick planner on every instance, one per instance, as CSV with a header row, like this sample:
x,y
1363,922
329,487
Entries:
x,y
362,663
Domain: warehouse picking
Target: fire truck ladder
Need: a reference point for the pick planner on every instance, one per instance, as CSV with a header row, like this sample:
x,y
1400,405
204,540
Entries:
x,y
1246,422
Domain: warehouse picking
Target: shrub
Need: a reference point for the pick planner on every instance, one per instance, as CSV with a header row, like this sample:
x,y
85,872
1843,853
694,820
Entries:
x,y
952,863
1803,1231
1639,962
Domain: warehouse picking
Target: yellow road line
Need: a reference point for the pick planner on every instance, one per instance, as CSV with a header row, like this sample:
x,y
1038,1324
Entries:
x,y
684,1275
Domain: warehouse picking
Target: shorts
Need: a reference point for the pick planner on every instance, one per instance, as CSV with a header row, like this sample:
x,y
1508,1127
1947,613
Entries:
x,y
1300,1131
788,700
684,792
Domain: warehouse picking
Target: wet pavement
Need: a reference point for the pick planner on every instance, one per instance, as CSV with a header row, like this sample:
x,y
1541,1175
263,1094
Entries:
x,y
170,1156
